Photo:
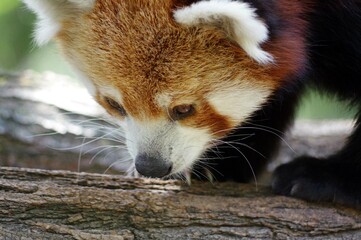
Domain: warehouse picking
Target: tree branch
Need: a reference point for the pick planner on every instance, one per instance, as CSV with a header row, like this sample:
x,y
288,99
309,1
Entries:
x,y
67,205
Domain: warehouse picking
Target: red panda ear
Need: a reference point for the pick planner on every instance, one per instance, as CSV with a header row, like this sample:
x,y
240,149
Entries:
x,y
238,19
51,12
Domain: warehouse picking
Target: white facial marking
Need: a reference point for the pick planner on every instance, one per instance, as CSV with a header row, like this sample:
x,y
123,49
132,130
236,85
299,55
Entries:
x,y
238,103
163,100
166,140
191,144
111,92
237,18
51,12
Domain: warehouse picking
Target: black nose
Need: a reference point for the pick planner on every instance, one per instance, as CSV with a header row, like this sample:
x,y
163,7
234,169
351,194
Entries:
x,y
152,167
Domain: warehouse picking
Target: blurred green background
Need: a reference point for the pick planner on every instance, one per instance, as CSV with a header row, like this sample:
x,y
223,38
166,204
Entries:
x,y
17,52
17,49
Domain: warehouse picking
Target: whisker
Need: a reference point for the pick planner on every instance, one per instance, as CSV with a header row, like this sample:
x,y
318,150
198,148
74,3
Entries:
x,y
180,176
105,149
242,144
43,135
269,131
248,162
109,139
199,174
115,163
267,127
223,130
80,155
81,145
244,136
130,171
106,146
208,166
106,120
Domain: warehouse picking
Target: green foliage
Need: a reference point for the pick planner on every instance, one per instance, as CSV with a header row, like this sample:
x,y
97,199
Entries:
x,y
8,5
15,40
318,106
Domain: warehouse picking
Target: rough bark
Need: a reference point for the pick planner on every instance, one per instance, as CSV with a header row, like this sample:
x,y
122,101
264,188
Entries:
x,y
42,204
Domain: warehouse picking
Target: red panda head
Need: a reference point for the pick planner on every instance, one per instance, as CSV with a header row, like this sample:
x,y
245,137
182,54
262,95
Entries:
x,y
175,75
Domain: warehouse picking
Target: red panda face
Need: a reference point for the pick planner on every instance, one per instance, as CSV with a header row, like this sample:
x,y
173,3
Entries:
x,y
174,82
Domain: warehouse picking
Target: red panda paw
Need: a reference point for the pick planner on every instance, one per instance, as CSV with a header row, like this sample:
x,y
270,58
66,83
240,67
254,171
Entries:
x,y
318,180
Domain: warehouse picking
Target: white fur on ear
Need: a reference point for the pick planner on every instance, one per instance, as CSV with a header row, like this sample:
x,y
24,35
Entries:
x,y
51,12
237,18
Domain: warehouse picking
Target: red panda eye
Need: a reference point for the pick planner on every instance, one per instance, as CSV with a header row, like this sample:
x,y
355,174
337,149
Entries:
x,y
116,106
182,111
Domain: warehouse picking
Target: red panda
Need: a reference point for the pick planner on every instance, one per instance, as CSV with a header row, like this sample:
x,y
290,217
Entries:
x,y
188,78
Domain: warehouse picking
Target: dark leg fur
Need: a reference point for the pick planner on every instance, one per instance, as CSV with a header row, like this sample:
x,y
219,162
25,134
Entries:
x,y
335,48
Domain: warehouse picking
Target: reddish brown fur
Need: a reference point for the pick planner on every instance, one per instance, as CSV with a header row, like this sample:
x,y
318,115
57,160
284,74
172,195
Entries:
x,y
208,118
137,48
288,47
